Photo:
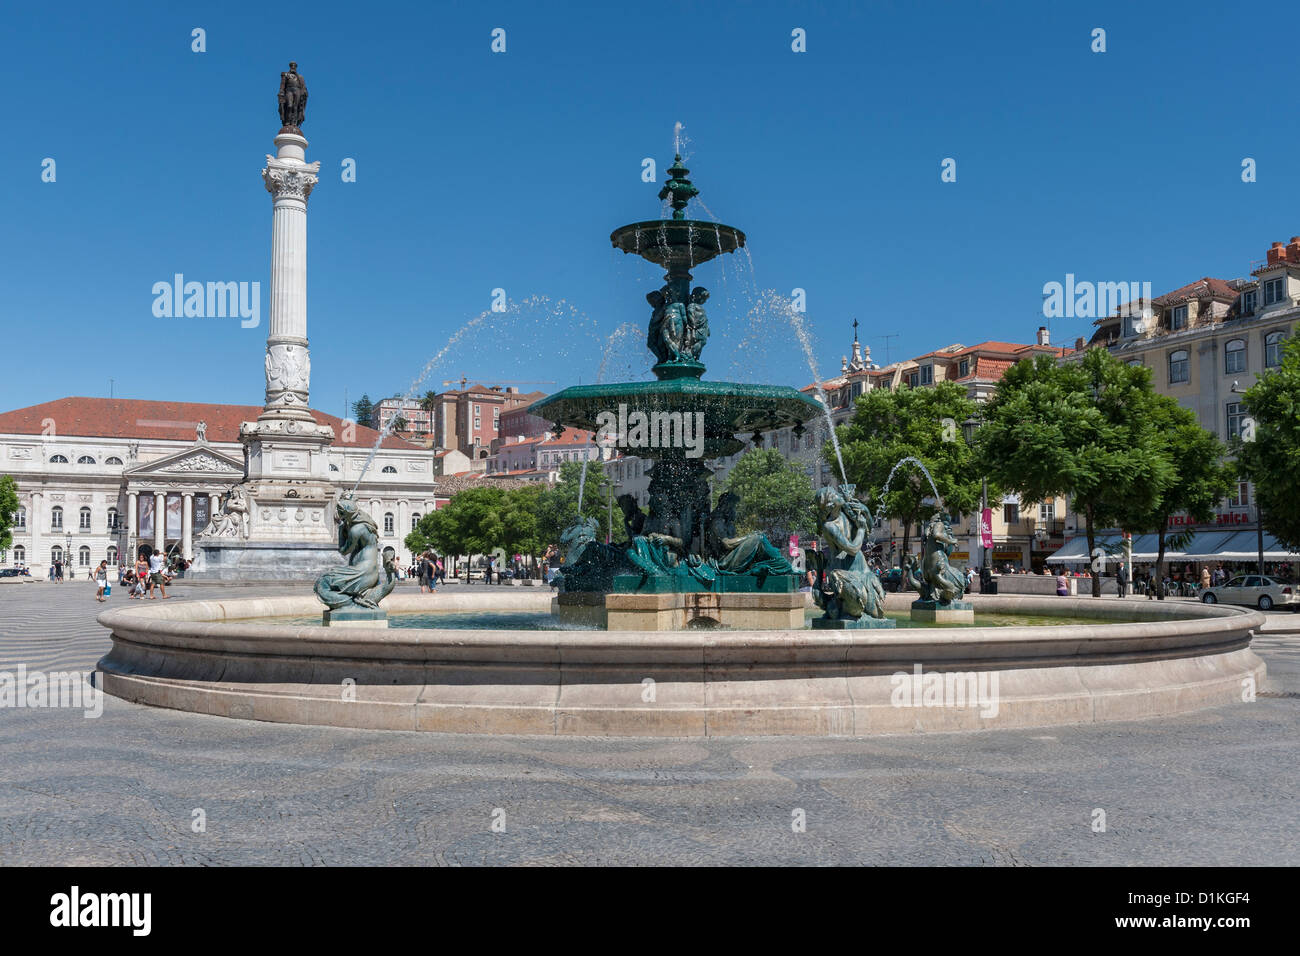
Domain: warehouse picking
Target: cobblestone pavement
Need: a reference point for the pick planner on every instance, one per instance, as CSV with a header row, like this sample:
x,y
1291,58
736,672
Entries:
x,y
1216,787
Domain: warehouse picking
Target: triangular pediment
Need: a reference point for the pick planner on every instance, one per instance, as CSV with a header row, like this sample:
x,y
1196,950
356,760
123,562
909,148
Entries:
x,y
198,460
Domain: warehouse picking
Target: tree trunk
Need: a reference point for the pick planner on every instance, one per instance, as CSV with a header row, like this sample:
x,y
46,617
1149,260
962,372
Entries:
x,y
1092,546
1160,564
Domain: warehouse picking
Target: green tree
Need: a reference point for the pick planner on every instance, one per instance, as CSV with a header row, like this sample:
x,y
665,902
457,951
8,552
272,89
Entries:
x,y
481,521
557,506
1268,451
8,508
776,495
1197,480
363,410
1084,429
400,424
923,423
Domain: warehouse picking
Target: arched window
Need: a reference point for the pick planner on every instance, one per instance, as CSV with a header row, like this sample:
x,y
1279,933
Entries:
x,y
112,554
389,470
415,520
1273,349
83,556
1178,367
388,523
56,554
85,460
20,518
56,518
112,519
1234,356
20,554
114,460
83,520
58,460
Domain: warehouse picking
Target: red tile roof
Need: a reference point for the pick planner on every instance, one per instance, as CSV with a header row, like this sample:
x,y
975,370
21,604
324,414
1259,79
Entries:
x,y
1206,288
162,421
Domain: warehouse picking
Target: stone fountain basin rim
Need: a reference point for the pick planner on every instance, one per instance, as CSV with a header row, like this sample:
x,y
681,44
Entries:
x,y
229,626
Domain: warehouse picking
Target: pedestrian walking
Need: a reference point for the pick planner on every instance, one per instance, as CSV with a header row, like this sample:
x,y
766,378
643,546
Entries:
x,y
157,578
1062,585
101,581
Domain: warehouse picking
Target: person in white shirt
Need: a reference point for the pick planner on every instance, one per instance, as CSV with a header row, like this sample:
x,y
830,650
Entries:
x,y
157,562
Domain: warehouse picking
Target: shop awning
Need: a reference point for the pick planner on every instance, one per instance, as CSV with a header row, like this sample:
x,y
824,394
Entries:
x,y
1204,546
1244,546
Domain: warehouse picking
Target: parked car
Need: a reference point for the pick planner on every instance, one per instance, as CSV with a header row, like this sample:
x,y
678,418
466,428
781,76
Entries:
x,y
10,573
1253,590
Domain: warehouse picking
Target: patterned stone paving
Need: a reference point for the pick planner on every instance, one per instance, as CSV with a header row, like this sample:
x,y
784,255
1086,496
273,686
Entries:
x,y
1216,787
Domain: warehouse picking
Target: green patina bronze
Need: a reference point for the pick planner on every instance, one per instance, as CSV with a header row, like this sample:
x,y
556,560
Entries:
x,y
684,543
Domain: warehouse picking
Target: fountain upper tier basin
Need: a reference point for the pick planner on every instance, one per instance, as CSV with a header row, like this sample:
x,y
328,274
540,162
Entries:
x,y
677,243
729,408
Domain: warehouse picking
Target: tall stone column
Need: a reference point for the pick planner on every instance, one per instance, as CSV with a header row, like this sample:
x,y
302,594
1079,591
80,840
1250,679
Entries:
x,y
289,178
187,525
159,520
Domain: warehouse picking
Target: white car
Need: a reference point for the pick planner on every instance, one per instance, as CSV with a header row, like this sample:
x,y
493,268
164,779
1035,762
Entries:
x,y
1253,591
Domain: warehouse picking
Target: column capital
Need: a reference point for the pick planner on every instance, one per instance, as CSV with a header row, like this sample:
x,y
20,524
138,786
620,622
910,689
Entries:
x,y
289,179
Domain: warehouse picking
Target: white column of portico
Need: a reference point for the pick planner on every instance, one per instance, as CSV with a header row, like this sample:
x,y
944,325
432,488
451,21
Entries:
x,y
159,520
132,525
403,520
187,525
36,521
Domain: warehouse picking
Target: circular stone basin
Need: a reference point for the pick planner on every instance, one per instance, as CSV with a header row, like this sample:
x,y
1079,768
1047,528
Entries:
x,y
1114,660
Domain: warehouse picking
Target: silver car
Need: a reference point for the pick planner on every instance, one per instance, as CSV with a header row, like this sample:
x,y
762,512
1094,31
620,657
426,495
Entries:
x,y
1252,590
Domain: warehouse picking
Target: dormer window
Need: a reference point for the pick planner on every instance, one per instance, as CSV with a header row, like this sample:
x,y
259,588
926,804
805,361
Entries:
x,y
1177,318
1131,323
1249,299
1274,290
927,374
963,368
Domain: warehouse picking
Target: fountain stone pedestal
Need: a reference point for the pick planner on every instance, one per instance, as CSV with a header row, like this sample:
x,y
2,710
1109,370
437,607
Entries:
x,y
940,612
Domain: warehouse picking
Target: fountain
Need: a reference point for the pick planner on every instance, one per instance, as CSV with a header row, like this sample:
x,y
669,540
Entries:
x,y
1050,661
685,565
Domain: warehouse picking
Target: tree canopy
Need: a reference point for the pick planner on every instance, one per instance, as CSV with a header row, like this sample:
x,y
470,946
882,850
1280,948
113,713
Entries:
x,y
8,508
924,423
1084,429
776,495
1268,451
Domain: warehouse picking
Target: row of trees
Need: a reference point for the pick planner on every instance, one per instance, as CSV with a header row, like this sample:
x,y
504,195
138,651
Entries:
x,y
1093,431
516,520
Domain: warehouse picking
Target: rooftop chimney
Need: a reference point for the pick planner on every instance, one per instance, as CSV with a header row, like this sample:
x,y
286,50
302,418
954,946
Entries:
x,y
1276,252
1042,335
1078,344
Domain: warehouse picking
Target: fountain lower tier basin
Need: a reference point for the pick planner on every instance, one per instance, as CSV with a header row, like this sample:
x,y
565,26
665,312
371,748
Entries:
x,y
215,657
680,610
728,409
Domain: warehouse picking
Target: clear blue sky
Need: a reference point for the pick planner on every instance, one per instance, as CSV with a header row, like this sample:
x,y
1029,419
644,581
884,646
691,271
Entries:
x,y
478,170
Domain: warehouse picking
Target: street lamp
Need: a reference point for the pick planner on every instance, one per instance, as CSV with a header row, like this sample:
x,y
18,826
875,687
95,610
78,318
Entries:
x,y
68,566
969,427
1259,514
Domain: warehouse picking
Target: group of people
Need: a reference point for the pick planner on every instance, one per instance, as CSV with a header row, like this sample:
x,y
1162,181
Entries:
x,y
429,570
146,574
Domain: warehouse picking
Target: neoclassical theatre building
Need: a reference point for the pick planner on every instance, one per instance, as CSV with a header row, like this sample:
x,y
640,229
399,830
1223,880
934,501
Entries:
x,y
97,477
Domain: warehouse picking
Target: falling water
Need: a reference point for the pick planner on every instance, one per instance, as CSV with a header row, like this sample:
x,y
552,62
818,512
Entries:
x,y
620,333
513,309
805,341
901,462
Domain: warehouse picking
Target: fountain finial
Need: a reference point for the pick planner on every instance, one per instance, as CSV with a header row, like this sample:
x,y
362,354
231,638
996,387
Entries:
x,y
679,187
